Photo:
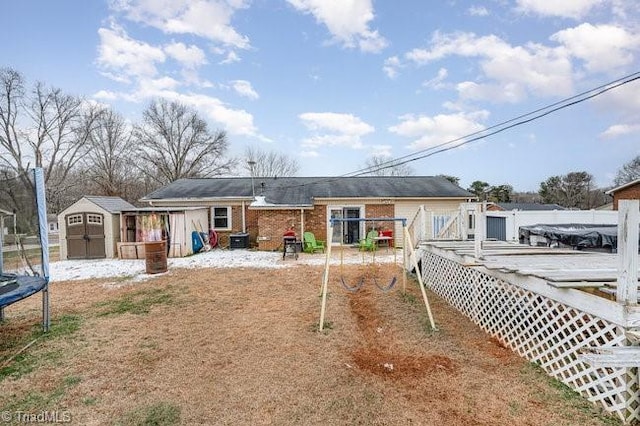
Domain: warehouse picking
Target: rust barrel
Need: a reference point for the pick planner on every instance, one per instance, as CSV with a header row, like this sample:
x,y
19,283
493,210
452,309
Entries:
x,y
155,257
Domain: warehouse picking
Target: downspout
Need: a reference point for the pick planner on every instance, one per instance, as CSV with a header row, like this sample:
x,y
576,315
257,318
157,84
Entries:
x,y
244,220
301,223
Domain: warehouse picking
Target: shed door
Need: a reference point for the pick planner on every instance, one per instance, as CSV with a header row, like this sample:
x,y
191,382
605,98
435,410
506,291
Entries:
x,y
85,236
497,228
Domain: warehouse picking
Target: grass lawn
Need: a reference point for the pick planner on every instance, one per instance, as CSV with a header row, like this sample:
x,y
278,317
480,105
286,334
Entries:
x,y
240,346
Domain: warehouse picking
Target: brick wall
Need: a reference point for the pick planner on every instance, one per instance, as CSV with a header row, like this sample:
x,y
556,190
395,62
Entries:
x,y
378,210
266,227
629,193
273,224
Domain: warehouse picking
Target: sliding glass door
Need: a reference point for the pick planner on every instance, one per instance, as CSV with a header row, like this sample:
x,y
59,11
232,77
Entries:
x,y
346,232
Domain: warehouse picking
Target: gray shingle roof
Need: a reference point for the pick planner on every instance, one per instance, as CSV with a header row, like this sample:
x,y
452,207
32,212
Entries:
x,y
297,191
110,204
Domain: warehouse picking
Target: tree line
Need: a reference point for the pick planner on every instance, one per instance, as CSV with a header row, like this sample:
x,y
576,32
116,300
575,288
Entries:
x,y
87,148
574,190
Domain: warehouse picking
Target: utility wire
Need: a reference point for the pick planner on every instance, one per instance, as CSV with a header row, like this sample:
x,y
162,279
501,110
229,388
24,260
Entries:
x,y
484,133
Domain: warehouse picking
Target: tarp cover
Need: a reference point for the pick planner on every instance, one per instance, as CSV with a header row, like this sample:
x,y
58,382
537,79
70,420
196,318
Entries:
x,y
574,234
27,286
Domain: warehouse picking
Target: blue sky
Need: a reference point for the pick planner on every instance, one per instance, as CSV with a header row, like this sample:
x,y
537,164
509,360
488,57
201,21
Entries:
x,y
332,82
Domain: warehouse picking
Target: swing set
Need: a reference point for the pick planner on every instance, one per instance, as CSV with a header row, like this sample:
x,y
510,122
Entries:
x,y
409,258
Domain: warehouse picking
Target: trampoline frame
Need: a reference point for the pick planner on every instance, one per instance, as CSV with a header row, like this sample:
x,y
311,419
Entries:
x,y
29,285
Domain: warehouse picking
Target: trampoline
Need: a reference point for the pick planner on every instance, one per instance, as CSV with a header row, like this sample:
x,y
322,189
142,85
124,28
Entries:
x,y
14,286
17,287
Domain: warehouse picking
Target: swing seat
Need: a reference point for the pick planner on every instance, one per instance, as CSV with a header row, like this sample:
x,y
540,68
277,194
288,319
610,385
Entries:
x,y
369,243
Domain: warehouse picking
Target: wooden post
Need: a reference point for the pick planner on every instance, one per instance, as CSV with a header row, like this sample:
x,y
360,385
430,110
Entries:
x,y
412,257
325,277
405,263
464,222
628,222
479,231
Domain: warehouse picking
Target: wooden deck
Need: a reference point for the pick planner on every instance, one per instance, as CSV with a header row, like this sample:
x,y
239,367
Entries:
x,y
560,268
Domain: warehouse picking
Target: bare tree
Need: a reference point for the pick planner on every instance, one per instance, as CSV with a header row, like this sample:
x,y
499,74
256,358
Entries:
x,y
173,142
41,128
107,162
380,166
628,172
269,163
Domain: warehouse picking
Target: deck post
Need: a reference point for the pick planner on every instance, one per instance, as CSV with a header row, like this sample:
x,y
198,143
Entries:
x,y
628,222
464,221
479,231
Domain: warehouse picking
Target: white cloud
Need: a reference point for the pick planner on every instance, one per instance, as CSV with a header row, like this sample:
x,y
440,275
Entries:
x,y
383,151
437,82
532,68
564,8
244,88
154,85
122,54
618,130
428,132
105,95
602,47
391,66
210,19
231,58
188,56
347,21
309,154
334,129
478,11
235,121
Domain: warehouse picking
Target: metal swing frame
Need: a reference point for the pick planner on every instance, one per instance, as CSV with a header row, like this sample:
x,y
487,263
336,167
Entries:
x,y
408,259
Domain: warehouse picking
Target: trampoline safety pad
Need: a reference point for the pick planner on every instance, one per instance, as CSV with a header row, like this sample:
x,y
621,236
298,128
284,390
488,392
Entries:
x,y
17,287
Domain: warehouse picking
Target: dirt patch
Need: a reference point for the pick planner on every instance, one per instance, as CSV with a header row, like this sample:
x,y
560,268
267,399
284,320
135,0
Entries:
x,y
241,346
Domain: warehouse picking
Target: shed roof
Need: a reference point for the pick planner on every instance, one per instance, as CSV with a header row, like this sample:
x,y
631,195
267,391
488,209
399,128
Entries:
x,y
301,191
110,204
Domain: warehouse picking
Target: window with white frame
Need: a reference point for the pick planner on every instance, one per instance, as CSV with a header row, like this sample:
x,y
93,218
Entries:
x,y
94,219
74,219
221,217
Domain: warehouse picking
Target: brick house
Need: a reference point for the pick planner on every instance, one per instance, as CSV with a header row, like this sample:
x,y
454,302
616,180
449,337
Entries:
x,y
307,204
627,191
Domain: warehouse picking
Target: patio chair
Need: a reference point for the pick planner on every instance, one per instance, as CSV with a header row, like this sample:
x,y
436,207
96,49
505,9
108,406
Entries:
x,y
369,243
311,245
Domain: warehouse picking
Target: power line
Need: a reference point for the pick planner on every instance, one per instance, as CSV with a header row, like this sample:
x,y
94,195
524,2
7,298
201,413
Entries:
x,y
484,133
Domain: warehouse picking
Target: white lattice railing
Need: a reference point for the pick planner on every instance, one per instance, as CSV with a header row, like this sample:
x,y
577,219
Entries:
x,y
539,329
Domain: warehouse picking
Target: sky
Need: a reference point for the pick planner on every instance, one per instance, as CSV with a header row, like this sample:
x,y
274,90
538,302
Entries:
x,y
331,83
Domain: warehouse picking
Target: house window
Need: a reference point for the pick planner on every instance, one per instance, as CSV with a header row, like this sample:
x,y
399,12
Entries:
x,y
74,219
52,227
221,217
94,219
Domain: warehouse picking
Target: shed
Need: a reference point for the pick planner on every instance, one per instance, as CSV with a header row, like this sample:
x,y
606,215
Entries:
x,y
174,225
90,227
